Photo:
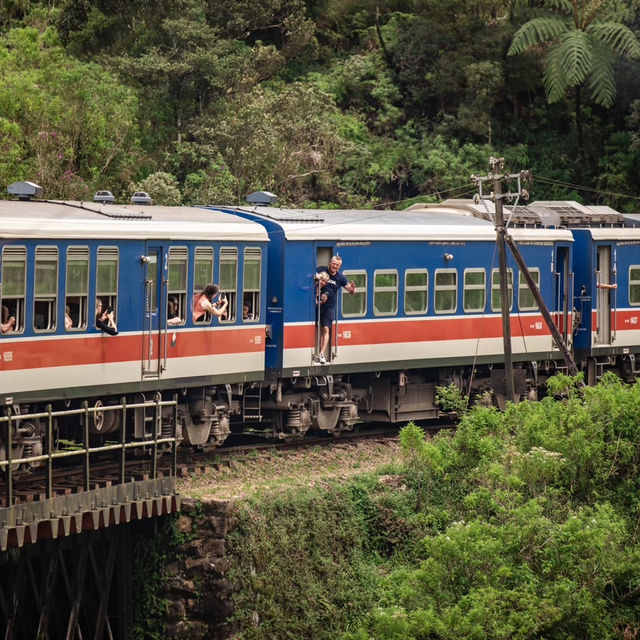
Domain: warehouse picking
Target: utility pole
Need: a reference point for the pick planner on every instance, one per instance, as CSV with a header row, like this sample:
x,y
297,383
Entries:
x,y
495,177
502,238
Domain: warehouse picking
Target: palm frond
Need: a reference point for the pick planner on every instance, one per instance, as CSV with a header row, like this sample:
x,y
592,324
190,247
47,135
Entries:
x,y
601,79
618,36
575,56
555,82
537,31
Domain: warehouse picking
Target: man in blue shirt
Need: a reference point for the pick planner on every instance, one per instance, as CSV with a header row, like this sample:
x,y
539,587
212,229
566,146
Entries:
x,y
327,295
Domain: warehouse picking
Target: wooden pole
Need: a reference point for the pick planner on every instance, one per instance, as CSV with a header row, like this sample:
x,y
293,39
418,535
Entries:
x,y
496,165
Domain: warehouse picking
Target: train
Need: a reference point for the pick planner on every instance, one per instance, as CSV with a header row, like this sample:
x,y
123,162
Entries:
x,y
426,312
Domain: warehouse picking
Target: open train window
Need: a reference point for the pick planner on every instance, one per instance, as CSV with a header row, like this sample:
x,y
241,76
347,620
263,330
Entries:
x,y
77,289
355,304
251,284
177,289
202,275
229,280
445,290
634,285
475,290
385,293
45,289
107,278
526,301
495,289
14,277
416,291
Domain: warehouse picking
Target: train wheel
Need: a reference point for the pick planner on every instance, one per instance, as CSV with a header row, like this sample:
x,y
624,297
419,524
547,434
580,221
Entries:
x,y
103,421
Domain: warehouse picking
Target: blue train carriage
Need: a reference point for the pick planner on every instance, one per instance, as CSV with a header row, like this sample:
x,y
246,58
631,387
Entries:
x,y
607,287
58,259
426,310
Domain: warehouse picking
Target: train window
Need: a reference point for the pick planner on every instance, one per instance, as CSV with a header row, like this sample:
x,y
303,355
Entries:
x,y
416,284
177,289
107,278
77,288
634,285
475,290
355,304
229,280
14,270
251,286
495,289
445,290
385,293
45,287
202,274
526,301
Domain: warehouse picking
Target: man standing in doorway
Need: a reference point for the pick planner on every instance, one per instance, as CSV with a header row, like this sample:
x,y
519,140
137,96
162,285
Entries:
x,y
327,299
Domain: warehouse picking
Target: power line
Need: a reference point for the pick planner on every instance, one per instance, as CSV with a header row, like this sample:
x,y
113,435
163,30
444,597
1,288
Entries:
x,y
582,188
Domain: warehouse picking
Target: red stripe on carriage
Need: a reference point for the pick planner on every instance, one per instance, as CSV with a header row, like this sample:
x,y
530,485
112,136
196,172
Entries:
x,y
61,351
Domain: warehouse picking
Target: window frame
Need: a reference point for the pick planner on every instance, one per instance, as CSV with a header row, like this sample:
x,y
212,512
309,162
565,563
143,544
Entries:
x,y
202,254
437,289
385,289
633,283
474,287
112,298
20,300
83,318
524,287
50,299
253,293
232,294
414,287
497,288
361,290
181,252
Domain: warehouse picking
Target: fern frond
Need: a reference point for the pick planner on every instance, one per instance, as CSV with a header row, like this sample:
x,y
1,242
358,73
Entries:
x,y
618,36
602,79
575,55
562,6
555,82
537,31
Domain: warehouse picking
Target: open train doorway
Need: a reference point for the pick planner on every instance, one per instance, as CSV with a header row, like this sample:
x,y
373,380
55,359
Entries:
x,y
603,293
154,325
323,258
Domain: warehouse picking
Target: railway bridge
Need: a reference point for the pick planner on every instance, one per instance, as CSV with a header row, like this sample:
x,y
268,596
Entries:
x,y
70,513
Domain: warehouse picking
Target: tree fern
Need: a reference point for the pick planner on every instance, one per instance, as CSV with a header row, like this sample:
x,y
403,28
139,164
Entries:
x,y
601,79
618,36
555,82
537,31
575,53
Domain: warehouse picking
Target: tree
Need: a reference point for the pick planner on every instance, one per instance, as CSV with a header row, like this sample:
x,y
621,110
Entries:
x,y
582,39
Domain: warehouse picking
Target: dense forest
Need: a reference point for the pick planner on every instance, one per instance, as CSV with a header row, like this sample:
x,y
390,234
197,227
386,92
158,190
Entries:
x,y
349,103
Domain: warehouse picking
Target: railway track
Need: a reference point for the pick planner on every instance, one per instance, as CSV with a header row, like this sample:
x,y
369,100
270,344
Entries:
x,y
31,486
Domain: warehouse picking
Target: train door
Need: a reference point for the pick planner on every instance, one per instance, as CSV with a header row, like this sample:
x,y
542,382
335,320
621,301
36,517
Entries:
x,y
323,258
154,321
564,293
603,293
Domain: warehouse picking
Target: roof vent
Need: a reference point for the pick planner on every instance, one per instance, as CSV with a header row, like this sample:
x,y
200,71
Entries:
x,y
104,197
262,198
140,197
24,190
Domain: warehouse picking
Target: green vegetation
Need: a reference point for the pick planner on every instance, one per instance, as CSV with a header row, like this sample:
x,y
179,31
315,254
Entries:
x,y
522,524
324,102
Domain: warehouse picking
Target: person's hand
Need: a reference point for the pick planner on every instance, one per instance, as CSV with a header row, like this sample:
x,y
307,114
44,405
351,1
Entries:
x,y
323,298
12,321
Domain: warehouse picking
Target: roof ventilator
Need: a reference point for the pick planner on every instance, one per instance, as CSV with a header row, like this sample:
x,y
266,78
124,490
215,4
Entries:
x,y
24,190
104,197
140,197
262,198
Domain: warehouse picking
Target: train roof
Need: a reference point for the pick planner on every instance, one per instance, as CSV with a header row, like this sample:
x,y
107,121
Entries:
x,y
426,223
89,220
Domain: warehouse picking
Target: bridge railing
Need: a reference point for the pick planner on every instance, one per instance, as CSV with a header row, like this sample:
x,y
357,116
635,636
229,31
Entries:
x,y
158,444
